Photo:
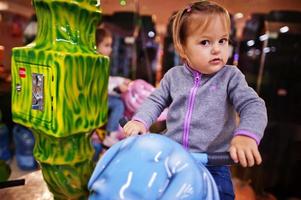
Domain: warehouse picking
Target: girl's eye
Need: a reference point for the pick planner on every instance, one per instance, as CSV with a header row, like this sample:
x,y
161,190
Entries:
x,y
223,41
205,42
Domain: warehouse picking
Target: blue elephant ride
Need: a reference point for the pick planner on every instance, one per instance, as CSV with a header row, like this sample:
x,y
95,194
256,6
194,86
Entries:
x,y
149,167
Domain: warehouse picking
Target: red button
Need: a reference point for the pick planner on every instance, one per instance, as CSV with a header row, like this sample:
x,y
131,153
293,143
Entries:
x,y
22,72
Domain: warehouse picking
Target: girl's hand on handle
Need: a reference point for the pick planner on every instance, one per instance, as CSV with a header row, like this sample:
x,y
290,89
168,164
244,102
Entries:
x,y
244,150
134,127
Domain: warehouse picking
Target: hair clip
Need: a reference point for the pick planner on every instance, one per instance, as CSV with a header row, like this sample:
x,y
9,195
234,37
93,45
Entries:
x,y
188,8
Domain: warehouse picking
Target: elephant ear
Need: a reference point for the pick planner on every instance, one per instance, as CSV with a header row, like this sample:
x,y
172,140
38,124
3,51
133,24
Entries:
x,y
190,179
107,158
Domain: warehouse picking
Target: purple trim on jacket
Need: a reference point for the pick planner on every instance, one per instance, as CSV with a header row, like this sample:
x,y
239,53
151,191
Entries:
x,y
248,134
186,130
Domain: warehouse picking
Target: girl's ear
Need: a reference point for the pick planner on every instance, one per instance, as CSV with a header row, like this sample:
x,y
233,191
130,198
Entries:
x,y
182,52
183,55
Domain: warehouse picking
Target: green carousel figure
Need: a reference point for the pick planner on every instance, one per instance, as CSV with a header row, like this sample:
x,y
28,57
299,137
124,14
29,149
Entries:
x,y
59,91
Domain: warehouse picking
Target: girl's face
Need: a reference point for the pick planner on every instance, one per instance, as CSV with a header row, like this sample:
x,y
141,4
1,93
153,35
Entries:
x,y
105,47
207,50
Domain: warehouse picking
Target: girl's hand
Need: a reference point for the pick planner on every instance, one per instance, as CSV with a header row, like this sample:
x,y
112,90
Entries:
x,y
134,127
244,150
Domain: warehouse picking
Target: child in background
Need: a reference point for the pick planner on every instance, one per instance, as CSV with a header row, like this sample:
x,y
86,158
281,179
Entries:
x,y
204,95
116,86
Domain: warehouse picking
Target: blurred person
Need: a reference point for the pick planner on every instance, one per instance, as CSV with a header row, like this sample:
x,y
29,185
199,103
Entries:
x,y
116,86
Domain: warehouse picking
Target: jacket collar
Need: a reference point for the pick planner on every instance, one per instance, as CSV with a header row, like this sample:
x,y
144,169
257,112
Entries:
x,y
193,72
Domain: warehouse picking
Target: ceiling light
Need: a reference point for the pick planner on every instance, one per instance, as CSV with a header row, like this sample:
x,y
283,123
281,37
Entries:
x,y
284,29
263,37
151,34
3,6
266,49
122,2
238,15
250,43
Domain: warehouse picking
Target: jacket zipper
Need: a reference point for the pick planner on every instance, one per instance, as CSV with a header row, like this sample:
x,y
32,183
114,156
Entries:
x,y
193,90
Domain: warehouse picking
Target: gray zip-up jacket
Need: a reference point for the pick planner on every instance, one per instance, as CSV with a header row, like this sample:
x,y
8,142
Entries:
x,y
202,108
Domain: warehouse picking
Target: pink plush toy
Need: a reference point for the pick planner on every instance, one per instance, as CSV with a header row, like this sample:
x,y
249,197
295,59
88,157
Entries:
x,y
137,92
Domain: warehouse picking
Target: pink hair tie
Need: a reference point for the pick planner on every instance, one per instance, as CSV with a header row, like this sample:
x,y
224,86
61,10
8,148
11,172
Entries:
x,y
188,9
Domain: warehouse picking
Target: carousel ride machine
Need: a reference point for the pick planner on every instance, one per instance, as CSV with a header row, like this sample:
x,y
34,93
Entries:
x,y
59,91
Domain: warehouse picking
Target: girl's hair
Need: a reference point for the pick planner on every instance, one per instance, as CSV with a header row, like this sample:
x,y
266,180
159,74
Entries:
x,y
196,15
102,33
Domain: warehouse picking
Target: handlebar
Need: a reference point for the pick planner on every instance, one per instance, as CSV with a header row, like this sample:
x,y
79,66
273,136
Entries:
x,y
214,158
12,183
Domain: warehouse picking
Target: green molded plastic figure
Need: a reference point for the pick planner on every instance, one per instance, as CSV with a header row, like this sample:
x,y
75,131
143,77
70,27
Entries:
x,y
59,90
